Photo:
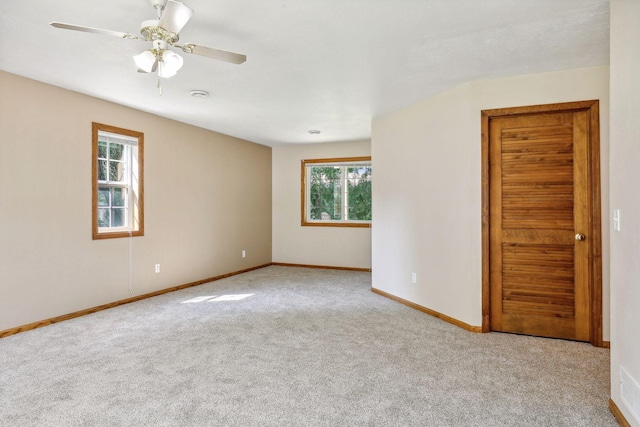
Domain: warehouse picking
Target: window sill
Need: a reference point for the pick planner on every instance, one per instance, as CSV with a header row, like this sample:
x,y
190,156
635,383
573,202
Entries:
x,y
336,224
115,233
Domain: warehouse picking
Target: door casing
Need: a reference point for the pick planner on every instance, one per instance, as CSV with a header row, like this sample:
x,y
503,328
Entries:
x,y
595,221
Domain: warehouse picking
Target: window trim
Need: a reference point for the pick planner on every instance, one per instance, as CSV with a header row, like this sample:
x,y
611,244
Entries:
x,y
303,194
116,232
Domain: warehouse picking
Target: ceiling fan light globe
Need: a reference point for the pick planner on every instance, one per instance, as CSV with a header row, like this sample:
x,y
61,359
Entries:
x,y
164,71
145,61
170,64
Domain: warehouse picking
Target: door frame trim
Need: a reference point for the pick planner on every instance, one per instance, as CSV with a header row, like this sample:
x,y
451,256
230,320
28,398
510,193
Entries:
x,y
595,215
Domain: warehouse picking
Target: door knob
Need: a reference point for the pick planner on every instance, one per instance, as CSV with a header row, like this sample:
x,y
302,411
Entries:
x,y
580,237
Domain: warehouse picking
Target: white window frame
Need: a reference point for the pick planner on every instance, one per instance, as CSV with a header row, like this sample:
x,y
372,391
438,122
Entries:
x,y
343,163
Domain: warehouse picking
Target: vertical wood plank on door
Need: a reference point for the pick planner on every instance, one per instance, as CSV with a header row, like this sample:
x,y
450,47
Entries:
x,y
595,226
495,204
581,218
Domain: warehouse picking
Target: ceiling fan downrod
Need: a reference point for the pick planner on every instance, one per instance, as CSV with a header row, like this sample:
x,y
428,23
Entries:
x,y
158,6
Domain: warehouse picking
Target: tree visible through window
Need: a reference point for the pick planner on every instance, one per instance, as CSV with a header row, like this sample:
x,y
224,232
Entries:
x,y
117,182
337,192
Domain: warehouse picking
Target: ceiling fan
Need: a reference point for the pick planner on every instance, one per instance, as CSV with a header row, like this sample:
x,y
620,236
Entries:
x,y
163,33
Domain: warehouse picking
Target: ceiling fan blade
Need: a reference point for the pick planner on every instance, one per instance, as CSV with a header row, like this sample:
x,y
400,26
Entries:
x,y
211,52
175,16
84,29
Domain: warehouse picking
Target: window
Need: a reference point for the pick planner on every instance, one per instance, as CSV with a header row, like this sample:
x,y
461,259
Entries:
x,y
117,186
337,192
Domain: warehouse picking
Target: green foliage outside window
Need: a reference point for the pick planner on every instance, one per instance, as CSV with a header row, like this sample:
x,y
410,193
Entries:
x,y
326,193
359,191
329,200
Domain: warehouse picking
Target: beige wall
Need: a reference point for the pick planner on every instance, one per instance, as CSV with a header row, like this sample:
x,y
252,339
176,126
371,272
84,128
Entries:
x,y
625,183
328,246
207,197
427,192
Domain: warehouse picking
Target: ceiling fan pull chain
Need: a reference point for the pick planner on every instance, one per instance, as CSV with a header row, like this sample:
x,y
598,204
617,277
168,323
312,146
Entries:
x,y
159,87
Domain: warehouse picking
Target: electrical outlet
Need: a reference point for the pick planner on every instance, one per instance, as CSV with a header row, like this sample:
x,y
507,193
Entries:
x,y
414,278
157,268
244,253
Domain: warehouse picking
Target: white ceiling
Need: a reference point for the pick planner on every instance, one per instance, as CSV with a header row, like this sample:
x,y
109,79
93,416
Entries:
x,y
331,65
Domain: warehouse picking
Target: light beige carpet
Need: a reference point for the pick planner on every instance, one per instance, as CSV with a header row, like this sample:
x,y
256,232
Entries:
x,y
308,347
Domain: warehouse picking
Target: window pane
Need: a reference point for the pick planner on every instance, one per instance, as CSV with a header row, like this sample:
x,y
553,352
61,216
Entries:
x,y
102,149
359,191
116,171
119,196
326,193
116,151
103,217
102,170
103,196
117,218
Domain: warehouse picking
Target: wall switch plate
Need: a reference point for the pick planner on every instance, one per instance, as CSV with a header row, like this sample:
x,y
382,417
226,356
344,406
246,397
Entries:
x,y
414,278
616,220
244,253
157,268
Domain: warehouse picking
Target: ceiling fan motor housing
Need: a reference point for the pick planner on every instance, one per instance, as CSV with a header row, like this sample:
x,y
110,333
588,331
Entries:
x,y
151,32
159,45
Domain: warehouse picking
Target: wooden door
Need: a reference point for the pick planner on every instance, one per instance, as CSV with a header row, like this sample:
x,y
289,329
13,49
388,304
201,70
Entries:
x,y
540,224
